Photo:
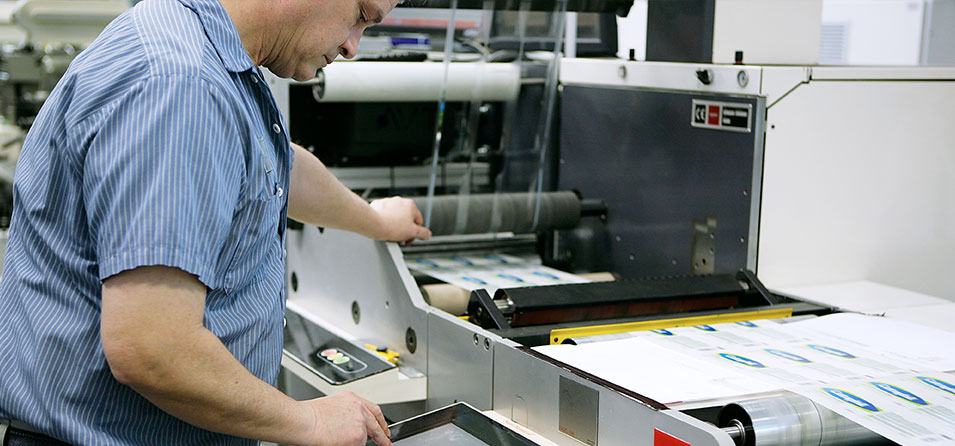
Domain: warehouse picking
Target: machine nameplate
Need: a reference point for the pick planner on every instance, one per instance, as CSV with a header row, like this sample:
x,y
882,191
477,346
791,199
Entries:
x,y
727,116
577,411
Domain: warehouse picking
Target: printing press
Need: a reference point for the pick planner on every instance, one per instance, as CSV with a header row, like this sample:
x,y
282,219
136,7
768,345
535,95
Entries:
x,y
646,181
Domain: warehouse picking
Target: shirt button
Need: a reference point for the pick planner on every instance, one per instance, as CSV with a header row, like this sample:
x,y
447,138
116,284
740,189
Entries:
x,y
255,80
284,252
280,191
276,128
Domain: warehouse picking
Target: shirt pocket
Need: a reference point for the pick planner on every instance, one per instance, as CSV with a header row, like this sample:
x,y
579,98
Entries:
x,y
257,222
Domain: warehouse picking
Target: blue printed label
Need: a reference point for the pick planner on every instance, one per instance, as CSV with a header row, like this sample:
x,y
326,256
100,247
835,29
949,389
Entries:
x,y
704,327
661,331
743,360
832,351
747,324
474,280
899,392
462,261
547,275
938,384
852,399
787,355
496,258
510,277
426,262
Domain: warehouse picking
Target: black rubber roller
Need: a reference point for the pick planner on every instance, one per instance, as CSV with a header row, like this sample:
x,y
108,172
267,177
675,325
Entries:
x,y
514,212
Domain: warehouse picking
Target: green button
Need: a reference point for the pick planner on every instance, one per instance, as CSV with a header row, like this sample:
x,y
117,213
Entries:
x,y
342,360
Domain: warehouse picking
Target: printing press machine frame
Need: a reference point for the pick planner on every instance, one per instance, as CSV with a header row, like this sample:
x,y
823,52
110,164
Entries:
x,y
670,194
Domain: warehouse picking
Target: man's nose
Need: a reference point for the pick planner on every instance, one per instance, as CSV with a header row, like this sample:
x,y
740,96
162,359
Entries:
x,y
349,49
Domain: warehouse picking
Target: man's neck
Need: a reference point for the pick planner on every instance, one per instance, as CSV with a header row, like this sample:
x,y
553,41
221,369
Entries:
x,y
250,20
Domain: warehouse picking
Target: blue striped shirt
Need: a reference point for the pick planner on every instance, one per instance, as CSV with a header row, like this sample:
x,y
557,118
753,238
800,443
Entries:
x,y
161,145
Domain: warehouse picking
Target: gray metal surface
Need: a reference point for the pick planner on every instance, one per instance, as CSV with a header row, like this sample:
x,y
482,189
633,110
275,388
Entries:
x,y
330,270
526,390
636,150
938,33
460,367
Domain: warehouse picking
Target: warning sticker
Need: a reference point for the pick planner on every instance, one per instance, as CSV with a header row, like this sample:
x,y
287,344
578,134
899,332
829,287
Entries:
x,y
733,117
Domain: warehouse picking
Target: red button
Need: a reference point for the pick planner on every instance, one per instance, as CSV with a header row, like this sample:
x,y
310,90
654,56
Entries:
x,y
713,116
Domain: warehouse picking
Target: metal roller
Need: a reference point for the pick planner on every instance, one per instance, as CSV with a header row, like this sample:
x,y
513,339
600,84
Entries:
x,y
619,7
487,213
791,420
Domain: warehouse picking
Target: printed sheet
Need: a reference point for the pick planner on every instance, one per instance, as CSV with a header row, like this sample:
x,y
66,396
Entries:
x,y
888,376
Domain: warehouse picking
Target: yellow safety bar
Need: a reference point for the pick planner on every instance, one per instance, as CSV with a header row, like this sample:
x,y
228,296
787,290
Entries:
x,y
558,336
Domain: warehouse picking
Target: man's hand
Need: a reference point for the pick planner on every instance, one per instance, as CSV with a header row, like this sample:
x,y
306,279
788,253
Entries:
x,y
400,220
347,419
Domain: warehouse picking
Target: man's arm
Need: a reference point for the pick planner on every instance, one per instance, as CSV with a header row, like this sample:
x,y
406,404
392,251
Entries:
x,y
155,343
318,198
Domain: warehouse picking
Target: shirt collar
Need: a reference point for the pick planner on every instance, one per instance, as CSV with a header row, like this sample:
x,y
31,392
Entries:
x,y
222,33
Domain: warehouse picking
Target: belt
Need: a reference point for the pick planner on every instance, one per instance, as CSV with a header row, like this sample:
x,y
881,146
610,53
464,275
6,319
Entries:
x,y
11,434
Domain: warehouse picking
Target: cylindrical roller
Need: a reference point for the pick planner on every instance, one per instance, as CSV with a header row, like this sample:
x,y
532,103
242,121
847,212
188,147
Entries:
x,y
792,420
416,82
599,277
486,213
619,7
450,298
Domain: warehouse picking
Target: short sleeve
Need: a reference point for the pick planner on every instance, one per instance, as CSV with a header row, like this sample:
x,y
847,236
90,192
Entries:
x,y
161,179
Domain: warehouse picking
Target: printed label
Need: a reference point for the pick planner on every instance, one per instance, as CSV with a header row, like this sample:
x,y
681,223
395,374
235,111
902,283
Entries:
x,y
728,116
787,355
899,392
743,360
851,399
938,384
832,351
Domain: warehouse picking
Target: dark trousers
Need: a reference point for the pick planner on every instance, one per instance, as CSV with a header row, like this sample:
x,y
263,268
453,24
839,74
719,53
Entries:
x,y
15,436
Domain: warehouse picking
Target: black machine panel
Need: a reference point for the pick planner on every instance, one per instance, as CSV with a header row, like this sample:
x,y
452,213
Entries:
x,y
679,197
375,134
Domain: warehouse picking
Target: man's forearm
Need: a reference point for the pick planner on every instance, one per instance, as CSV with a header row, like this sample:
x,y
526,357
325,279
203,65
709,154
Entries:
x,y
203,384
317,197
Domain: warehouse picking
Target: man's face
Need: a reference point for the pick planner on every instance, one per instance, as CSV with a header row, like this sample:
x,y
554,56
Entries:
x,y
317,31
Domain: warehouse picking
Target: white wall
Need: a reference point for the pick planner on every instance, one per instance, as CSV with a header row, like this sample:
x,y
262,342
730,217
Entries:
x,y
859,184
772,32
875,32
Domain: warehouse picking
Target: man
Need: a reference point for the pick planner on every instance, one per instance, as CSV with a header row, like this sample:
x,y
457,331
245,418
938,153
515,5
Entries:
x,y
143,293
